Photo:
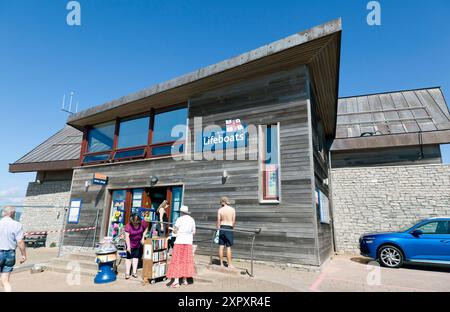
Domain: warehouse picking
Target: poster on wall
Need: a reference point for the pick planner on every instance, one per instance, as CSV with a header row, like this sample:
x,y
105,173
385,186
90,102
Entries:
x,y
324,206
271,182
74,211
147,214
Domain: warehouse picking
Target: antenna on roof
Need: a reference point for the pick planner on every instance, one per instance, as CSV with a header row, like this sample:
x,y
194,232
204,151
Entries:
x,y
69,110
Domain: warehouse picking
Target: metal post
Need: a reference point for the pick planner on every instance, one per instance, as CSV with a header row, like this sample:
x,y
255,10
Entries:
x,y
251,262
211,251
61,236
95,230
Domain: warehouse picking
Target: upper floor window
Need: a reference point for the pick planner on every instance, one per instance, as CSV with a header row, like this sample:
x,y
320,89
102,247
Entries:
x,y
101,138
133,132
150,135
165,122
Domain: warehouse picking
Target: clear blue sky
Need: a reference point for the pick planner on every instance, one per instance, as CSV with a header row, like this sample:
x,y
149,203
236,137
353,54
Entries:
x,y
123,46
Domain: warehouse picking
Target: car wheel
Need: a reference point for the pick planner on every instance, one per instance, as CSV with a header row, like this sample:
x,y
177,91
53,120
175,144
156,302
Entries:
x,y
390,256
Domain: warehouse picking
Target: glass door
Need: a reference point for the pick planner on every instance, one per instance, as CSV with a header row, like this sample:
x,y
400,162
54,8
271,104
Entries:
x,y
117,213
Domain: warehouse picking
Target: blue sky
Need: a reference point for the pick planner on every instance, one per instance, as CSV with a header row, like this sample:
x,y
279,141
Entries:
x,y
123,46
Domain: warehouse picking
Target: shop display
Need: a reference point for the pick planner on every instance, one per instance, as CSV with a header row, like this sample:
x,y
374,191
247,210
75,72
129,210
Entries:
x,y
154,260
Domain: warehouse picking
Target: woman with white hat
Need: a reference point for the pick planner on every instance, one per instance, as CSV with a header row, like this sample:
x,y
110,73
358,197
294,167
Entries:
x,y
182,262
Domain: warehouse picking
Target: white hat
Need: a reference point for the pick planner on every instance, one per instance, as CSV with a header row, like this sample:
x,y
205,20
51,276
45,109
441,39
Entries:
x,y
185,210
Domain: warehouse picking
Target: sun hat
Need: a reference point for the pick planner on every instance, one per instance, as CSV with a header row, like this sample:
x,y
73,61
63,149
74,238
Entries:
x,y
185,210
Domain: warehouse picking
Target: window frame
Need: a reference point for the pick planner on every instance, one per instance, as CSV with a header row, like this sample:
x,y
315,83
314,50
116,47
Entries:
x,y
148,147
433,221
262,179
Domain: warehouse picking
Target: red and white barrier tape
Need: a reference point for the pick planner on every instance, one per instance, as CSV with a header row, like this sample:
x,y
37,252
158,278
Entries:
x,y
57,231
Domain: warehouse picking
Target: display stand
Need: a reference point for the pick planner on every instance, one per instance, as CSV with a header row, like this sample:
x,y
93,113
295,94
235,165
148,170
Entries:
x,y
154,260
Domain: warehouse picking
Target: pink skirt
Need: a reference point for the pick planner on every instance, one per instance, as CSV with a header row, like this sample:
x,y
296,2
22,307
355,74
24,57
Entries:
x,y
182,262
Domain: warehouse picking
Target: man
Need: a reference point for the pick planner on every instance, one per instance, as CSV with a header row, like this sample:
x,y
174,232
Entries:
x,y
11,236
226,220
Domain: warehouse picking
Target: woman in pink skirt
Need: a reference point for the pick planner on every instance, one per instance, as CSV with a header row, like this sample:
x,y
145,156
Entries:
x,y
182,262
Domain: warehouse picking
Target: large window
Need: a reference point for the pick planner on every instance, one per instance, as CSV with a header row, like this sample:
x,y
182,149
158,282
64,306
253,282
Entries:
x,y
150,135
133,132
101,138
165,122
270,163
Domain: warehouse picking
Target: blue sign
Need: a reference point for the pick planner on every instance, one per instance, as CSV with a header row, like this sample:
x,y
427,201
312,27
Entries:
x,y
234,135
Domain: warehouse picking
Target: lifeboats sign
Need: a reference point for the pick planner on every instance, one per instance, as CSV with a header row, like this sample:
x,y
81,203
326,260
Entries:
x,y
233,136
100,179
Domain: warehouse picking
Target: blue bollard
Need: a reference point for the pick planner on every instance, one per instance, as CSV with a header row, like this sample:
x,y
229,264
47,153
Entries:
x,y
105,273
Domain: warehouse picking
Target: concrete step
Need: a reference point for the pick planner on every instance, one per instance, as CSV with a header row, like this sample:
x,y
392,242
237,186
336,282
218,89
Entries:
x,y
67,262
82,256
60,268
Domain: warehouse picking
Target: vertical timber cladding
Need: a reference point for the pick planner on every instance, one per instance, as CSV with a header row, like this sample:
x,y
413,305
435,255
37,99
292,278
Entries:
x,y
288,233
321,175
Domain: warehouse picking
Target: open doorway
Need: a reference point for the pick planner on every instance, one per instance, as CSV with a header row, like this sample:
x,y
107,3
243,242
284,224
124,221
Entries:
x,y
142,201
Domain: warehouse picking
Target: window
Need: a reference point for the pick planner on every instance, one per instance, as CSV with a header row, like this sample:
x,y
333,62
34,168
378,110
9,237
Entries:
x,y
136,137
270,163
101,138
133,132
435,227
165,122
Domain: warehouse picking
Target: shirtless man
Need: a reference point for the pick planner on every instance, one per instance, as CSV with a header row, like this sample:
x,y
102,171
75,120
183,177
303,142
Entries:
x,y
226,219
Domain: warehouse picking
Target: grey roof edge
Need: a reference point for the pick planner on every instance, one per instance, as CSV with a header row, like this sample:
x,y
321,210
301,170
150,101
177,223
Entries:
x,y
326,29
46,141
436,137
390,92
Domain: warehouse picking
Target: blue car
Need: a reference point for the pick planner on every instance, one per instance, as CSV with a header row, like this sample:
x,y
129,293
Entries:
x,y
426,242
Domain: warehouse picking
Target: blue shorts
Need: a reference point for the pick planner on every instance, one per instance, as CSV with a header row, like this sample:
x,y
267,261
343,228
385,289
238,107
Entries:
x,y
226,237
7,260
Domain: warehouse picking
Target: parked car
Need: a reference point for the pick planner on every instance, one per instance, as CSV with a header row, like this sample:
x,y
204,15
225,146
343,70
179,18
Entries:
x,y
426,242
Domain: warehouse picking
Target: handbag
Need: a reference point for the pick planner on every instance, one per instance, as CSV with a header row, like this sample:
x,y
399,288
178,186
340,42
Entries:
x,y
216,238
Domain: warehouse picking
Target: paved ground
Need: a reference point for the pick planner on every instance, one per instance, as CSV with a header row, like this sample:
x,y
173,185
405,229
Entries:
x,y
35,255
343,273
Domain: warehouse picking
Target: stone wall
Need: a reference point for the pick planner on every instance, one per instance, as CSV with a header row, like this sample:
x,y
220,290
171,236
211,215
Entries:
x,y
373,199
44,207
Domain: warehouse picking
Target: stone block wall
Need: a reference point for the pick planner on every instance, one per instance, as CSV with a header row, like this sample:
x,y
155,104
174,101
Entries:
x,y
374,199
44,207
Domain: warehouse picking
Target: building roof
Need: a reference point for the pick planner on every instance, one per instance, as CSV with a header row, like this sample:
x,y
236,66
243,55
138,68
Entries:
x,y
59,152
424,110
402,118
318,47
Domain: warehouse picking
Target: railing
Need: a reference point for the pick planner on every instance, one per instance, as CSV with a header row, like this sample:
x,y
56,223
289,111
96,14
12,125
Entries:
x,y
251,233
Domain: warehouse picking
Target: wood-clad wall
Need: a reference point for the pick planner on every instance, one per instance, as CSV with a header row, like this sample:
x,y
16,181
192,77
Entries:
x,y
321,174
288,229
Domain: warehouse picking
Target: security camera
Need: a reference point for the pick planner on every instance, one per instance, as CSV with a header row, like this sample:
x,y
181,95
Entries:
x,y
153,180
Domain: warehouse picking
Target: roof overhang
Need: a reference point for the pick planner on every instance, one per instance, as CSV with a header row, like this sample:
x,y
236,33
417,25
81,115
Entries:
x,y
383,141
44,166
318,47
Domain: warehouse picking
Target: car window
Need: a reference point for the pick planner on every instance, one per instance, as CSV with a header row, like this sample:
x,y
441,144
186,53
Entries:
x,y
435,227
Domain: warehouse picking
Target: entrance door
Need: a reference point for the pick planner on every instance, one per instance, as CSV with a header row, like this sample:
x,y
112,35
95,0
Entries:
x,y
143,201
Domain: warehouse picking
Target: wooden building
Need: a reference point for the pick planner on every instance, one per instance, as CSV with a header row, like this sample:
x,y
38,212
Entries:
x,y
285,92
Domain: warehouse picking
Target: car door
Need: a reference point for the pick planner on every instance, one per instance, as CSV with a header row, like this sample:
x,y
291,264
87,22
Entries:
x,y
433,244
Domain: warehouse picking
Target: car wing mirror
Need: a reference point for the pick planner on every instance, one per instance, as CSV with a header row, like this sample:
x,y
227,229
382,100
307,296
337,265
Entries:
x,y
416,233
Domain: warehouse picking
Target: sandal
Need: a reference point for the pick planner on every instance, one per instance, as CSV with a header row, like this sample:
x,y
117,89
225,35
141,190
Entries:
x,y
174,285
127,276
134,275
